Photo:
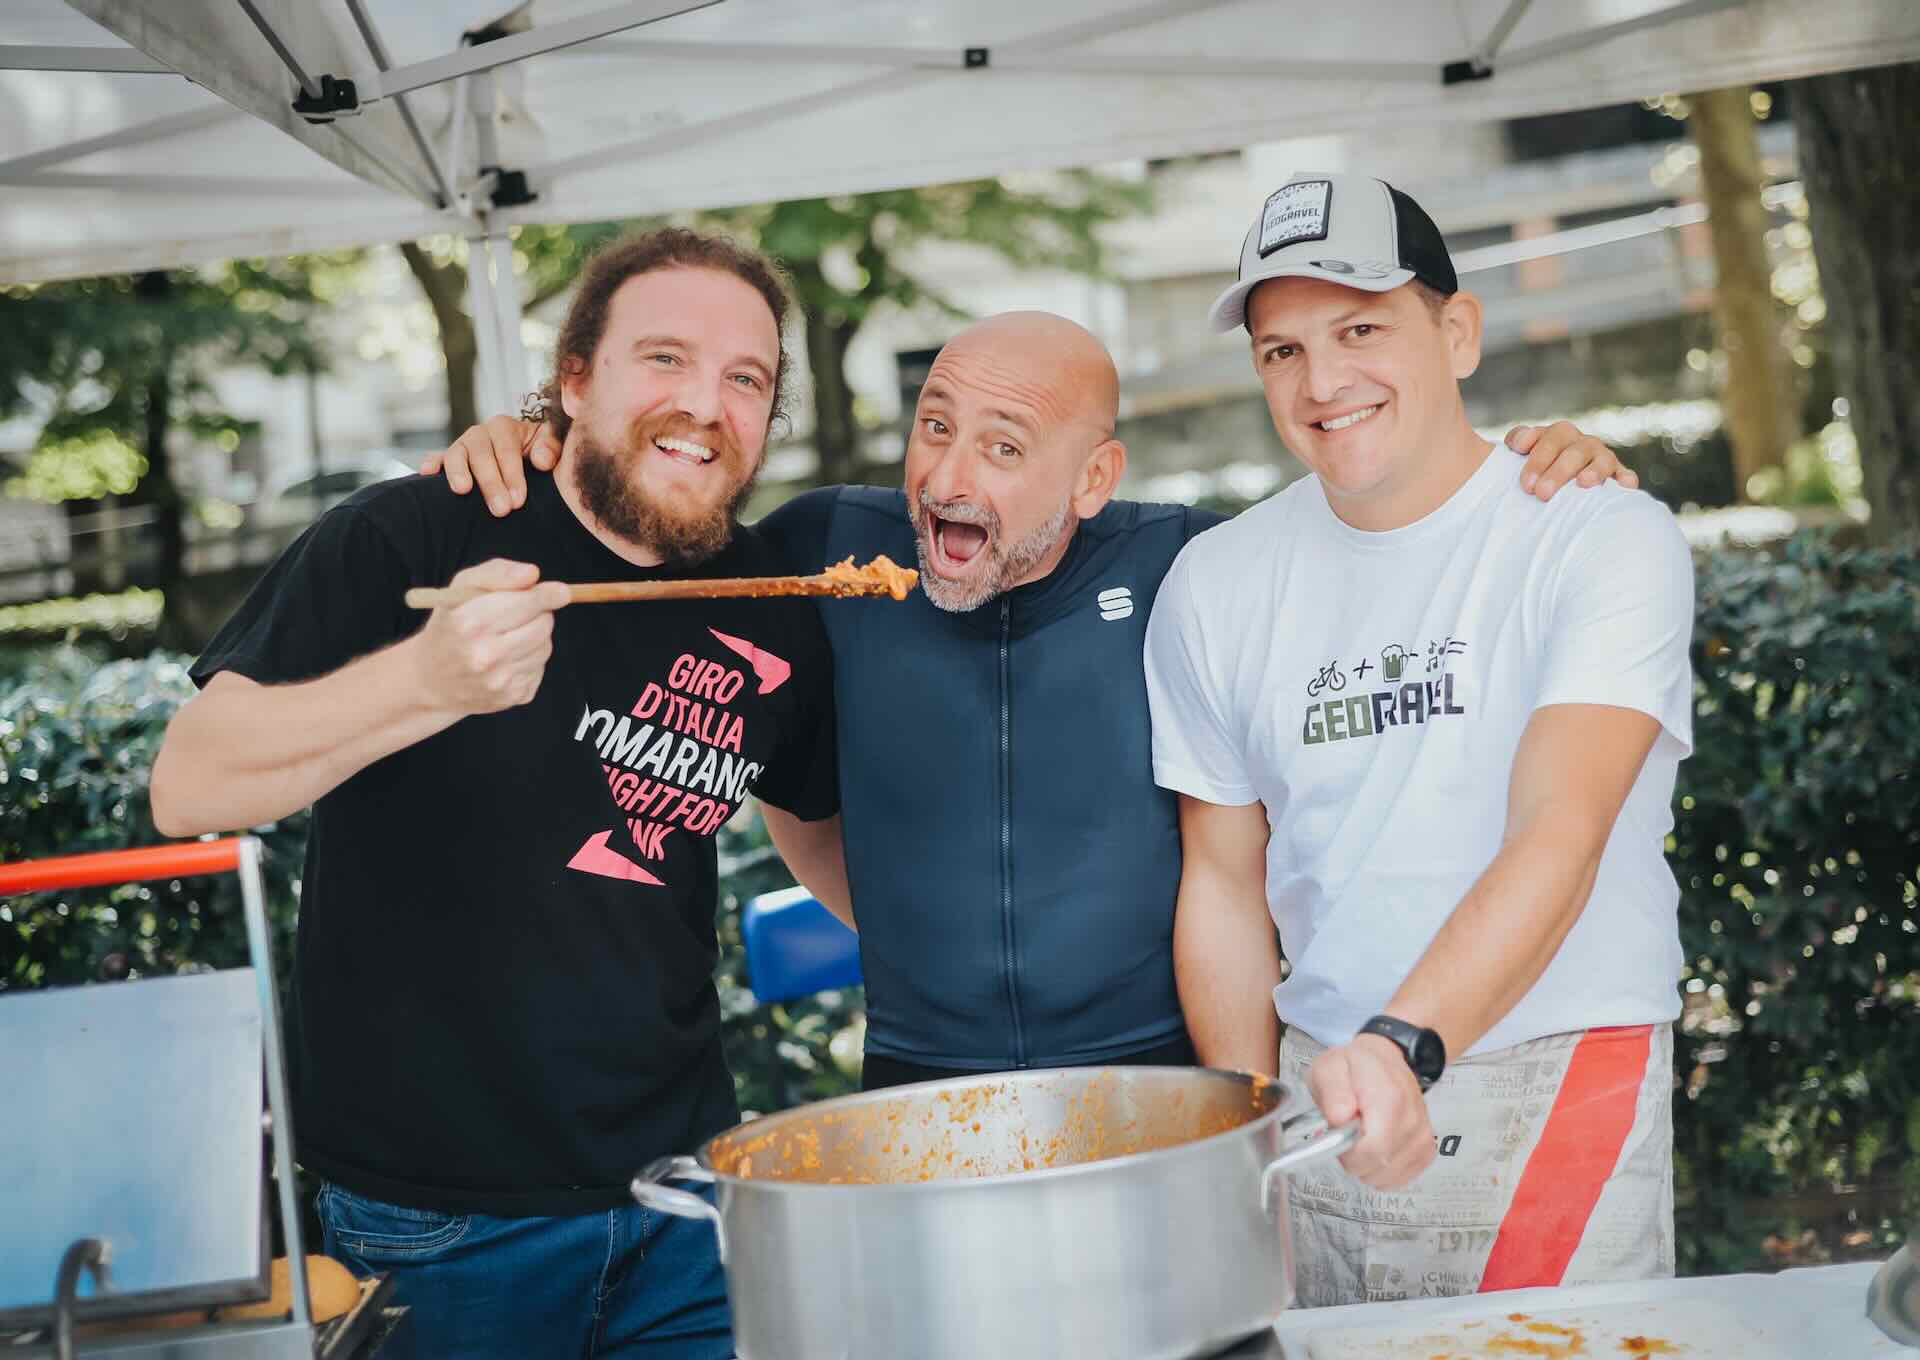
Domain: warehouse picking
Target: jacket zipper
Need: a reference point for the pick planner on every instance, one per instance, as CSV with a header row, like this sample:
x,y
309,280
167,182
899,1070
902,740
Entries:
x,y
1006,833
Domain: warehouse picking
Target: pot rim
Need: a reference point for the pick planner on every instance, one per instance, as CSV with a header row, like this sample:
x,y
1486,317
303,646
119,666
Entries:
x,y
1191,1148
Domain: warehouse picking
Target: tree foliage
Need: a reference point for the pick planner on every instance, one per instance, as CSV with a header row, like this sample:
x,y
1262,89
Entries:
x,y
126,362
851,255
848,256
1797,848
546,261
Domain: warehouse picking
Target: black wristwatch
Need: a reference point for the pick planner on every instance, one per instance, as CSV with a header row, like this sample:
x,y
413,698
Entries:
x,y
1425,1052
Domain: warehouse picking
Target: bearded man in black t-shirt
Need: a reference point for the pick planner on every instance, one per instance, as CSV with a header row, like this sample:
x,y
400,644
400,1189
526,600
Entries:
x,y
503,1001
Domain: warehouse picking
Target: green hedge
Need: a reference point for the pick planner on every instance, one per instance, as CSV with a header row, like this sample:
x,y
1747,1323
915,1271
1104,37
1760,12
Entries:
x,y
1797,847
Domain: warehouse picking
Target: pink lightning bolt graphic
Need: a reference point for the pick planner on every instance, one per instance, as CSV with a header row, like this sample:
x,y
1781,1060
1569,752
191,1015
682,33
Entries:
x,y
773,672
597,857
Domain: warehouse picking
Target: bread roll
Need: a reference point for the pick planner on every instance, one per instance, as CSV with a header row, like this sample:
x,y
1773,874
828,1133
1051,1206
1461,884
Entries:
x,y
333,1288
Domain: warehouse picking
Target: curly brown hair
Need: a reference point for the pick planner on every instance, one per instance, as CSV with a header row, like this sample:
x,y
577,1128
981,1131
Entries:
x,y
643,252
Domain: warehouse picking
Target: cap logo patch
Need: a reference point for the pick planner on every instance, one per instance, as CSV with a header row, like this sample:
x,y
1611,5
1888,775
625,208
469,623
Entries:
x,y
1293,213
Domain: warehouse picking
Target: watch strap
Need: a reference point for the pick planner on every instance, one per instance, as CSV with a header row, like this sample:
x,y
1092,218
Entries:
x,y
1424,1050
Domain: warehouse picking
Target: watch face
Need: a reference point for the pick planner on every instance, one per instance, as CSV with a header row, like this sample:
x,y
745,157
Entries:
x,y
1428,1056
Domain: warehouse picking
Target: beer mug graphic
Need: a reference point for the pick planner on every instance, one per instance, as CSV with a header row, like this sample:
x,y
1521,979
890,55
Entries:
x,y
1393,661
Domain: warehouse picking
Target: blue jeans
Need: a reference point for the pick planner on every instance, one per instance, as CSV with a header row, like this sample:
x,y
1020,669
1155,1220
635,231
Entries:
x,y
628,1282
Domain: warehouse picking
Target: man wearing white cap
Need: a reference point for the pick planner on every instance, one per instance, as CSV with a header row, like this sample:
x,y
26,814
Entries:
x,y
1428,727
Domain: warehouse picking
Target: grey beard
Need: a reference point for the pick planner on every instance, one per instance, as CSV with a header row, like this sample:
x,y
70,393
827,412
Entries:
x,y
1006,565
680,540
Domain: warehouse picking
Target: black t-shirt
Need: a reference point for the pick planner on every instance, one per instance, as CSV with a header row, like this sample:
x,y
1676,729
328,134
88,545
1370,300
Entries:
x,y
503,998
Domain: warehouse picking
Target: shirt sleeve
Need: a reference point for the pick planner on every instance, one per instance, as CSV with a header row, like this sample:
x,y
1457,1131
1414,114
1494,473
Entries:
x,y
334,595
1196,750
1622,618
803,777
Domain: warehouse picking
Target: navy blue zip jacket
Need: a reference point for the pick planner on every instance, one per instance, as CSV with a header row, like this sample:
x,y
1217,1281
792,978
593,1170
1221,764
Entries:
x,y
1012,862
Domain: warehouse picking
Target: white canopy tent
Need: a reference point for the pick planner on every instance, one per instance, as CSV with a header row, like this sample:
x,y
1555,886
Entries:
x,y
417,117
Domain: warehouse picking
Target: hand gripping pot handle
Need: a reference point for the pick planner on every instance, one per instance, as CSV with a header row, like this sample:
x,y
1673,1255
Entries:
x,y
1320,1143
650,1190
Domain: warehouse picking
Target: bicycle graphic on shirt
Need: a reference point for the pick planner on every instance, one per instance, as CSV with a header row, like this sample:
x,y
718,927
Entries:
x,y
1329,678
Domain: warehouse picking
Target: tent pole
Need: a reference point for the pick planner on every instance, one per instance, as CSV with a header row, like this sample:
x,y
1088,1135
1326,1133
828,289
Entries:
x,y
378,50
1503,30
1591,37
280,49
1121,21
493,295
536,41
1175,64
118,60
493,291
483,101
508,309
174,125
312,90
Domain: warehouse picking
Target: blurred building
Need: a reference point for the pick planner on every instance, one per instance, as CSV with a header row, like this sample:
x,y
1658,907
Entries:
x,y
1581,232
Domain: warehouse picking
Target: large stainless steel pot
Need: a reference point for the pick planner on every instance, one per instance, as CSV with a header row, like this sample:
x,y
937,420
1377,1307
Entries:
x,y
1100,1212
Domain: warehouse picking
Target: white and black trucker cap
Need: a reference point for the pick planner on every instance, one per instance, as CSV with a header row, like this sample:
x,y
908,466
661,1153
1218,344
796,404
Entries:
x,y
1347,229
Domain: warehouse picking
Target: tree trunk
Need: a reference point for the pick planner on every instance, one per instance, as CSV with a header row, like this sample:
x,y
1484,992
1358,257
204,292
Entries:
x,y
836,434
1860,163
446,288
157,488
1757,396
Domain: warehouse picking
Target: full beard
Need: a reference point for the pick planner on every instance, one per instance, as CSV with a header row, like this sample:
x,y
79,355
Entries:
x,y
1006,562
682,537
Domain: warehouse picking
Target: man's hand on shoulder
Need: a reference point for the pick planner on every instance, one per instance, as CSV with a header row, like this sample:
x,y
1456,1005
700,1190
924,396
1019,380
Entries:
x,y
493,457
490,653
1369,1080
1561,453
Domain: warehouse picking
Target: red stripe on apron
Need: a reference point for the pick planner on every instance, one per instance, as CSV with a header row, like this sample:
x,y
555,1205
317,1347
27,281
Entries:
x,y
1577,1152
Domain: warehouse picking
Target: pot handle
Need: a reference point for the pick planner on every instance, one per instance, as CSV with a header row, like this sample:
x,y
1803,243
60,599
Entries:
x,y
649,1189
1321,1142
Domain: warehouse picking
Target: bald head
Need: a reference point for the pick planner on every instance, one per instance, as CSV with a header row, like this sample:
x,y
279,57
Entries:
x,y
1012,447
1057,366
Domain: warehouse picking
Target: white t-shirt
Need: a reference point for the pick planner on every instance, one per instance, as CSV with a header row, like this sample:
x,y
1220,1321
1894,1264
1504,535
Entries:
x,y
1371,690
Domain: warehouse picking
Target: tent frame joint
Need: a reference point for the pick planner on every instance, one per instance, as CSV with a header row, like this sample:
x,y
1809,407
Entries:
x,y
337,98
509,187
976,58
1462,72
